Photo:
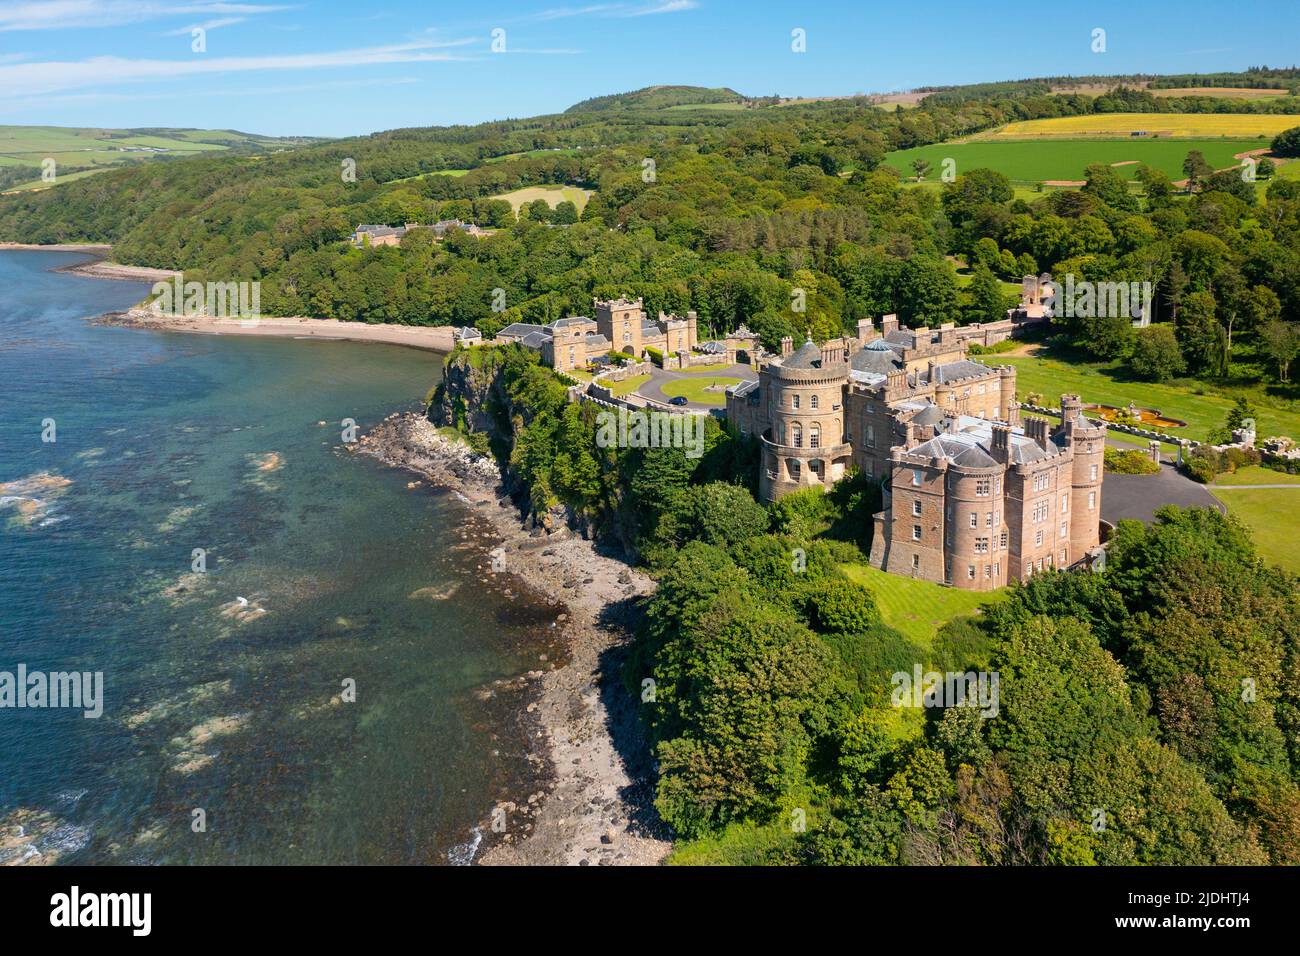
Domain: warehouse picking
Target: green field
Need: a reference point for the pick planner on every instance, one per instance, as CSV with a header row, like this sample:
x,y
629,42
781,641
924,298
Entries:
x,y
1035,161
1104,384
918,608
554,195
693,389
93,150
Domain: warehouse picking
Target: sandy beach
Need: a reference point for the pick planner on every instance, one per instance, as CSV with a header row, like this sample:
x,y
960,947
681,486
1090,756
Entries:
x,y
437,338
593,804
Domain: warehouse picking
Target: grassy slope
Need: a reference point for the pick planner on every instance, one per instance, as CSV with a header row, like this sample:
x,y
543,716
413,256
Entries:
x,y
918,608
1272,514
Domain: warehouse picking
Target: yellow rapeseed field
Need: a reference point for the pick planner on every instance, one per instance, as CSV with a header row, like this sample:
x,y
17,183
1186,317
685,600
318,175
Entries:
x,y
1195,125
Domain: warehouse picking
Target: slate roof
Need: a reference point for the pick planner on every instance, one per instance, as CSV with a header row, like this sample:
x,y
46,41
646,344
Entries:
x,y
970,446
521,329
808,355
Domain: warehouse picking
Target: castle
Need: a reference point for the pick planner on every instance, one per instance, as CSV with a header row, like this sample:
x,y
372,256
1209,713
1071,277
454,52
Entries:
x,y
620,325
972,499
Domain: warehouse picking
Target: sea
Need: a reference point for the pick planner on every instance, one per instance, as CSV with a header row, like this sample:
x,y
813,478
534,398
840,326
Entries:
x,y
300,658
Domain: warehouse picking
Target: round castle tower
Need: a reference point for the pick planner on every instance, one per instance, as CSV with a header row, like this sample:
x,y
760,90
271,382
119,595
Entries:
x,y
805,444
1089,444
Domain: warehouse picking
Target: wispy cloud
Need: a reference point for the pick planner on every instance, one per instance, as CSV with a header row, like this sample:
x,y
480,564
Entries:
x,y
81,14
33,79
205,25
614,10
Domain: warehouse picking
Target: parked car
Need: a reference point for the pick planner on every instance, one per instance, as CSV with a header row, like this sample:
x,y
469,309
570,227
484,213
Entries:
x,y
678,400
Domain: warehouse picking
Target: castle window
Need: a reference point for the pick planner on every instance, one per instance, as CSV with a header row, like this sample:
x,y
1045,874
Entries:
x,y
794,401
1094,473
916,476
997,486
916,508
916,562
813,401
814,436
988,519
974,520
1063,562
1092,500
793,465
869,435
1038,538
982,487
970,571
1065,503
981,545
1064,529
1029,568
916,532
988,571
796,434
1002,541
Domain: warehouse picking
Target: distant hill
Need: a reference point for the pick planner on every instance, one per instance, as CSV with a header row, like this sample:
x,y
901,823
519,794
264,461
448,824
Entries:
x,y
658,98
79,152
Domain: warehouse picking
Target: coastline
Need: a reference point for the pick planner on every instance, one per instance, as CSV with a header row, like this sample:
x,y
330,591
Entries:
x,y
592,808
434,338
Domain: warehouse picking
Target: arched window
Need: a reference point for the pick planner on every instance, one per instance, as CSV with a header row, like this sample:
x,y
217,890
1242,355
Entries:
x,y
796,434
814,401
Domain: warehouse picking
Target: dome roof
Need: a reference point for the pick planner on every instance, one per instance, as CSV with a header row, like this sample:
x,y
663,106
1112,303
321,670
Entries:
x,y
808,356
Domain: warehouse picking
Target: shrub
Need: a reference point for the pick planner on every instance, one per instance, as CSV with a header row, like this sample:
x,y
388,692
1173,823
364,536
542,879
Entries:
x,y
1130,461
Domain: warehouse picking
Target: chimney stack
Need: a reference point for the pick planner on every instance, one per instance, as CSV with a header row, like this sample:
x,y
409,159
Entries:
x,y
787,346
888,323
1001,443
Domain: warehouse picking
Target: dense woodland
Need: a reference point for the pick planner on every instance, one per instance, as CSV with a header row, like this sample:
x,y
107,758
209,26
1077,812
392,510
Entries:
x,y
743,207
1162,694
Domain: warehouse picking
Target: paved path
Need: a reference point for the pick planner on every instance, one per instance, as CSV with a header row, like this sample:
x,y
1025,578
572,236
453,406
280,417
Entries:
x,y
1138,496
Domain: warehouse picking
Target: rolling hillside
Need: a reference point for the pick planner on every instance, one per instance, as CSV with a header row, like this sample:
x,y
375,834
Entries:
x,y
78,152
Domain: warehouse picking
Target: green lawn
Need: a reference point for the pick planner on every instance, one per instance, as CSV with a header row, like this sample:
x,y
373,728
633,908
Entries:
x,y
918,608
1257,475
1034,161
1100,384
628,385
554,195
693,389
1272,514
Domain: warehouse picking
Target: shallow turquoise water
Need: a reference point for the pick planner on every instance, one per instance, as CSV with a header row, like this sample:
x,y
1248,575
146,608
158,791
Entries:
x,y
172,442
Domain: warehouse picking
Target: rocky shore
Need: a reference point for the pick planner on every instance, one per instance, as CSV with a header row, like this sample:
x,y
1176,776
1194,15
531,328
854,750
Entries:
x,y
592,806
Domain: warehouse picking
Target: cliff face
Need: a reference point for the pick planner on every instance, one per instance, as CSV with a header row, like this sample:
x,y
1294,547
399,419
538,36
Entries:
x,y
497,393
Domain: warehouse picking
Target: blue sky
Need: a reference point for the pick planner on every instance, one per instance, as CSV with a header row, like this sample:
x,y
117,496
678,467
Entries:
x,y
340,67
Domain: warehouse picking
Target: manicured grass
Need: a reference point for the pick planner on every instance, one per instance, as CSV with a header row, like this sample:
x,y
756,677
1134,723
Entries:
x,y
706,369
1104,384
628,385
554,195
1257,475
1186,125
1272,514
918,608
693,389
1035,161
